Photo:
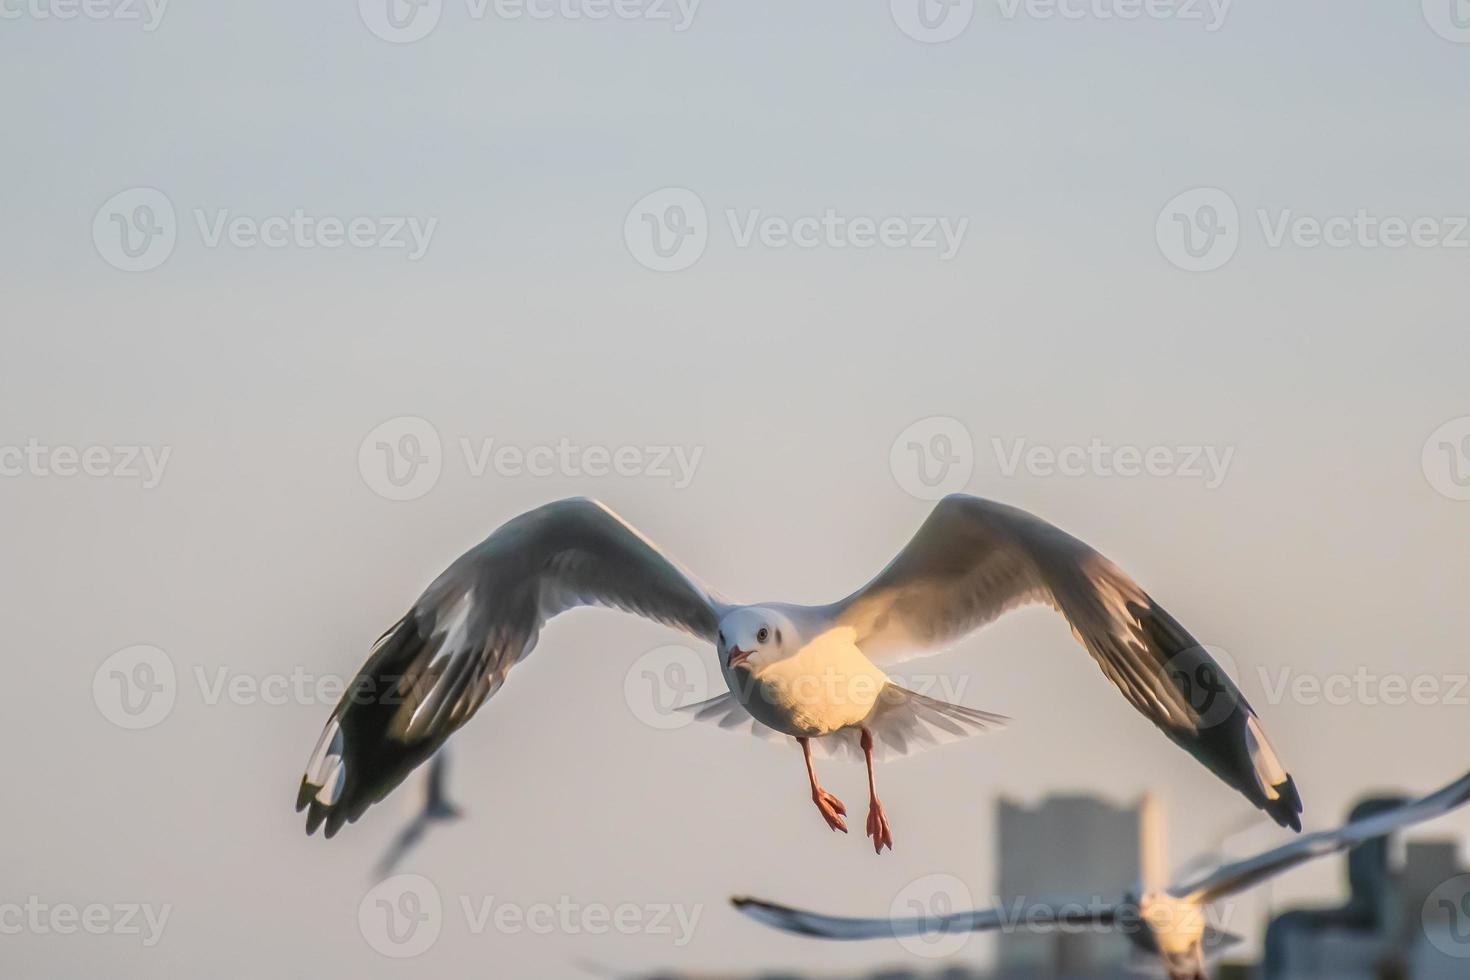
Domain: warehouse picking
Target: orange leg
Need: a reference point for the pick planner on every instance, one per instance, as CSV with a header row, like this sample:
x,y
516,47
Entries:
x,y
877,820
832,809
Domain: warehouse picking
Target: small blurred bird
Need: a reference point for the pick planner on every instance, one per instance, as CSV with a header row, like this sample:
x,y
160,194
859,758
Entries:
x,y
1170,924
436,808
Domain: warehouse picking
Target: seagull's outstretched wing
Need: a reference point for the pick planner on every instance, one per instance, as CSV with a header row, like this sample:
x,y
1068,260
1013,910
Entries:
x,y
1033,916
1243,874
973,560
431,671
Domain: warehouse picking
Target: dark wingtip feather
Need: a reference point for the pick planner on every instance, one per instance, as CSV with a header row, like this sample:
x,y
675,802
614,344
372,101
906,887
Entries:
x,y
1286,809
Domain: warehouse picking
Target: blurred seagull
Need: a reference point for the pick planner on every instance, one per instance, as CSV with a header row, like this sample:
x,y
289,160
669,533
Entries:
x,y
1170,923
436,808
808,672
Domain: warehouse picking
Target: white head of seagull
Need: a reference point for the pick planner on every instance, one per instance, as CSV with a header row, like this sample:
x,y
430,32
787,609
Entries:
x,y
812,673
754,636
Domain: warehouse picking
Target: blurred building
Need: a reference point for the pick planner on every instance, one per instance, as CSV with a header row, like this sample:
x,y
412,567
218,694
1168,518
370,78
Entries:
x,y
1410,922
1074,847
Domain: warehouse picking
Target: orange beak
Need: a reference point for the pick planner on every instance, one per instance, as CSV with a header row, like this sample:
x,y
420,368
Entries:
x,y
737,656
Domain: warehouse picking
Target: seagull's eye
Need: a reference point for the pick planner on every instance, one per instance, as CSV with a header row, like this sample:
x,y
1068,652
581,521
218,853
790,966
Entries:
x,y
722,637
762,635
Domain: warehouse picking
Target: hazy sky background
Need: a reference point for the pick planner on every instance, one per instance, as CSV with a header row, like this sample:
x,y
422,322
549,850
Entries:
x,y
264,550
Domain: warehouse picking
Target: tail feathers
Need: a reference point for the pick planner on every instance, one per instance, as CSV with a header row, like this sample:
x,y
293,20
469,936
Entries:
x,y
904,722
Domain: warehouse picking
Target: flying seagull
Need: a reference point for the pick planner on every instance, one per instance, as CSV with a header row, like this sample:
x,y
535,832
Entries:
x,y
1168,922
813,673
435,808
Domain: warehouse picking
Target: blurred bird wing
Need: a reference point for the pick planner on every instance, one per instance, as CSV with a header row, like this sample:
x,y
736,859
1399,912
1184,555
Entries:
x,y
1031,916
1243,874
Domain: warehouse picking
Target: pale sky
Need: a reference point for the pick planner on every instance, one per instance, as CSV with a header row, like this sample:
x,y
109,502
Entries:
x,y
1329,548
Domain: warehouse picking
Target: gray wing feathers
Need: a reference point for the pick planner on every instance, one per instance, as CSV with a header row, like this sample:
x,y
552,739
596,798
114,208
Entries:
x,y
430,672
973,560
1031,916
1243,874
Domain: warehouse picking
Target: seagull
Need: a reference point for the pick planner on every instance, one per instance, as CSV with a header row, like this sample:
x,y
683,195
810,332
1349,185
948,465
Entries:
x,y
810,673
1169,923
436,808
